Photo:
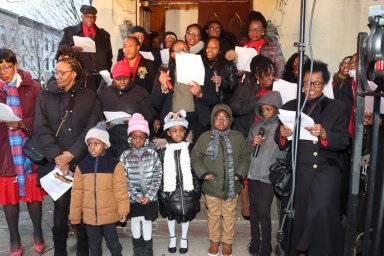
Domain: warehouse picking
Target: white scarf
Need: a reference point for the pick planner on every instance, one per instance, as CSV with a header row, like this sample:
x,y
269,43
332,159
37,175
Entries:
x,y
170,167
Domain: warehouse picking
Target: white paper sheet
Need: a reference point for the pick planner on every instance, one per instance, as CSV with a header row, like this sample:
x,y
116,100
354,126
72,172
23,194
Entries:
x,y
288,118
189,67
116,117
106,76
369,100
288,91
86,43
147,55
328,90
244,57
164,56
6,113
56,187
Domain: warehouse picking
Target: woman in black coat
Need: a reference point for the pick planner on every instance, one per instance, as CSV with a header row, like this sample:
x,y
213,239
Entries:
x,y
317,227
62,142
124,95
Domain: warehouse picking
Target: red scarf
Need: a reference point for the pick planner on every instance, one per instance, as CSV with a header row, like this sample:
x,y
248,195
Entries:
x,y
135,66
256,45
351,121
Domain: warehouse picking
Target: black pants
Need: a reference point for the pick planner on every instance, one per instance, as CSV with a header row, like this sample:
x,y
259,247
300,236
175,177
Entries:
x,y
60,228
96,234
260,201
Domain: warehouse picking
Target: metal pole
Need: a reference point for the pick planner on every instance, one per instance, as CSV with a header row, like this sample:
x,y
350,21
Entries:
x,y
356,153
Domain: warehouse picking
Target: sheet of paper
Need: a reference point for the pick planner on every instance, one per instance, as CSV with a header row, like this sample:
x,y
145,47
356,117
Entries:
x,y
328,90
147,55
55,184
116,117
369,100
244,57
86,43
164,56
106,76
288,91
6,113
189,67
288,118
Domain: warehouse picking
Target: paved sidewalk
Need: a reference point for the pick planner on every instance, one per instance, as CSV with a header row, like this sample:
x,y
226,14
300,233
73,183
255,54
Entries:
x,y
198,235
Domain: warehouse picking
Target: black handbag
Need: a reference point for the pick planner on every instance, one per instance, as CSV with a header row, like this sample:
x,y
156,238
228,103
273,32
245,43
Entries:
x,y
281,176
31,151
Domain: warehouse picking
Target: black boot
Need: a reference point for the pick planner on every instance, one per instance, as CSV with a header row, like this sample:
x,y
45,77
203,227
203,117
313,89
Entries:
x,y
138,246
148,248
82,248
60,242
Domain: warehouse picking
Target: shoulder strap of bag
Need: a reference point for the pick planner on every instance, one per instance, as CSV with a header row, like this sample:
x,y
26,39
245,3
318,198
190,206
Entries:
x,y
72,101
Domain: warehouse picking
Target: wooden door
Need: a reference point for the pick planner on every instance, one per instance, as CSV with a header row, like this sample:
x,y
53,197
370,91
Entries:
x,y
232,14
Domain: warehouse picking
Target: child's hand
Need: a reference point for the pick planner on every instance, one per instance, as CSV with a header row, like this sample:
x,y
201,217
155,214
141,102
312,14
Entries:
x,y
144,200
285,131
209,177
258,140
123,219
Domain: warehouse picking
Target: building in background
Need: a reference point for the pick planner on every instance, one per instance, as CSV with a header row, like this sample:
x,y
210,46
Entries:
x,y
34,43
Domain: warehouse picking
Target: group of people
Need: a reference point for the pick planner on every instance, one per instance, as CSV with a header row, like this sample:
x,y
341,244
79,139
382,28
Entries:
x,y
181,141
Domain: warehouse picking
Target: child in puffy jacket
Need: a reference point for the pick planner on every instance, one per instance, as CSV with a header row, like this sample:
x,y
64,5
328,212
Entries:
x,y
180,191
143,170
99,193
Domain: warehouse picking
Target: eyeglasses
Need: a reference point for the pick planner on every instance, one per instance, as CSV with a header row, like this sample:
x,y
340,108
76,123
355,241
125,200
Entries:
x,y
344,64
258,30
195,34
6,69
217,29
222,118
60,73
316,84
122,78
179,50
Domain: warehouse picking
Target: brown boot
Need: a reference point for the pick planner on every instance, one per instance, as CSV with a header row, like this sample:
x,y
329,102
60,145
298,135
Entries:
x,y
227,250
214,249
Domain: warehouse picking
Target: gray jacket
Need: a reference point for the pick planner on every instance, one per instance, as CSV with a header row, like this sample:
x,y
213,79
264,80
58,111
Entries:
x,y
269,150
143,170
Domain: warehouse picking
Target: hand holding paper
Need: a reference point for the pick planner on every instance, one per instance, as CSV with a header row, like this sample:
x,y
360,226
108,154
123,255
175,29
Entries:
x,y
86,43
55,184
288,118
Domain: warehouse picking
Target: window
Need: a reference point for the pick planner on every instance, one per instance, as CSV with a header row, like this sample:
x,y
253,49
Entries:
x,y
22,38
53,45
46,44
13,34
46,64
53,63
30,41
2,33
23,61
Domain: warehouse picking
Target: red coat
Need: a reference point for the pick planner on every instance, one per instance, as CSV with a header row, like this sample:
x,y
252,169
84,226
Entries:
x,y
28,92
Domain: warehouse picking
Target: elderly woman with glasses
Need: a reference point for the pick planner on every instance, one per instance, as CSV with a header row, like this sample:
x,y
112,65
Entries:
x,y
196,100
262,43
317,226
18,176
65,111
124,95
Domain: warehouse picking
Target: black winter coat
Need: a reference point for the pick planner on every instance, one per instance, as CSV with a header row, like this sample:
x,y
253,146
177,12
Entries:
x,y
317,226
134,99
50,109
179,205
102,59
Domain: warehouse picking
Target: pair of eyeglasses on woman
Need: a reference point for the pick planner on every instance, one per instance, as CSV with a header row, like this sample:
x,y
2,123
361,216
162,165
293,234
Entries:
x,y
217,29
61,73
190,33
222,118
6,68
316,84
179,50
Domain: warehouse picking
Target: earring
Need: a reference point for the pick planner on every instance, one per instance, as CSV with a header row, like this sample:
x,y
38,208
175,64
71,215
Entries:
x,y
129,140
146,142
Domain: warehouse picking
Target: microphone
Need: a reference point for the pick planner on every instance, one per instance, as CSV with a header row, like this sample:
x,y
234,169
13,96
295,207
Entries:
x,y
257,147
215,73
165,70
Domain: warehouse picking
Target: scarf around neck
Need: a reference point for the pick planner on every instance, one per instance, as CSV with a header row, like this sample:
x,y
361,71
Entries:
x,y
213,150
23,166
170,167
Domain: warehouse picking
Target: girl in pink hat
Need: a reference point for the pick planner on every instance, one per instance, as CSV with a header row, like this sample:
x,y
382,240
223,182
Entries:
x,y
144,174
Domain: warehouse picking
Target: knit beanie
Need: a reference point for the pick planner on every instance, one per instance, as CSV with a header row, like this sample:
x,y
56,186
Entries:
x,y
120,69
138,123
173,119
99,132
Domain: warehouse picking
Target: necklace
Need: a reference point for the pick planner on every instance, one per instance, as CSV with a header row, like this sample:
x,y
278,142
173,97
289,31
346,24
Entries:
x,y
213,64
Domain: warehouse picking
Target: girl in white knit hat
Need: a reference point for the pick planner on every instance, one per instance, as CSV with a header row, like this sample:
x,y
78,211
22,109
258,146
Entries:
x,y
180,191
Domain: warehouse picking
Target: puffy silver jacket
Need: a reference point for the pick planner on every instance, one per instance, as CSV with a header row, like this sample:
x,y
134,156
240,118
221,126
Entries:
x,y
143,170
